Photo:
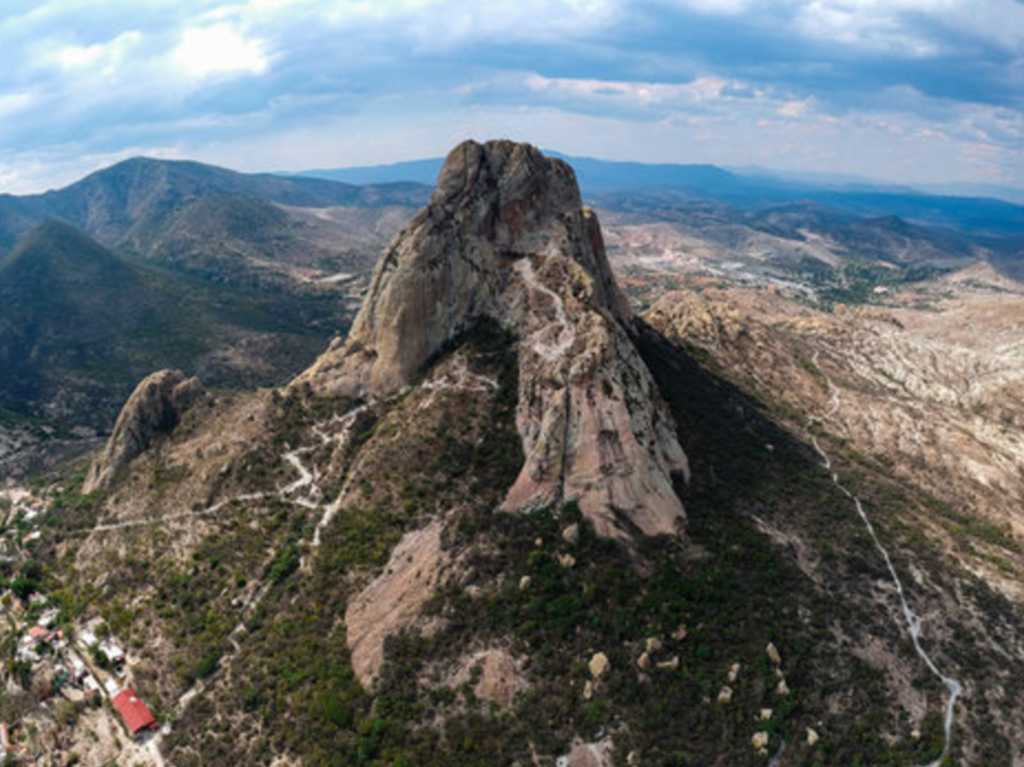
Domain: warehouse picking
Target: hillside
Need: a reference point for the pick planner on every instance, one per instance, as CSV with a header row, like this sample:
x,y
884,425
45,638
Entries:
x,y
121,204
80,325
507,522
252,230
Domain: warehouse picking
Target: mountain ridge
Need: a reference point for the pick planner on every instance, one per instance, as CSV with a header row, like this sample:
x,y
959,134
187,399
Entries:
x,y
703,181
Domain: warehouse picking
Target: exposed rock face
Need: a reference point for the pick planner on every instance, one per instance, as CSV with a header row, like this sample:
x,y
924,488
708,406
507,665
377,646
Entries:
x,y
505,237
598,754
155,408
501,677
394,600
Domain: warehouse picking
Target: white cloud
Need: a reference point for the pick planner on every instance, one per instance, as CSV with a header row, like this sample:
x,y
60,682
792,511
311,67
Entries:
x,y
104,59
795,107
219,49
13,103
725,7
639,93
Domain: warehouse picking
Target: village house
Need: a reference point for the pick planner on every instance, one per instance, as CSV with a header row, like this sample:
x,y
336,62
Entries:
x,y
134,712
88,637
113,652
48,619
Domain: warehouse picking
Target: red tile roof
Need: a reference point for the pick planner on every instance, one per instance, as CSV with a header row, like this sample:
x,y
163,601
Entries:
x,y
133,711
39,633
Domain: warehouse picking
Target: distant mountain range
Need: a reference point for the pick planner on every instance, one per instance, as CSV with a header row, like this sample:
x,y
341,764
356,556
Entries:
x,y
981,215
125,204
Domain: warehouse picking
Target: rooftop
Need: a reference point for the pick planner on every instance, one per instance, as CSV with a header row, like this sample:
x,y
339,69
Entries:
x,y
133,711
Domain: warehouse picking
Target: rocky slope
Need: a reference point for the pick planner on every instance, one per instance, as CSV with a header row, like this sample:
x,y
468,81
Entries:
x,y
931,385
328,574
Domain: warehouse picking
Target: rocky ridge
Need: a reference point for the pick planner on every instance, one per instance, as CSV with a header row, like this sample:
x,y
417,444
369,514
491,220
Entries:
x,y
155,408
506,238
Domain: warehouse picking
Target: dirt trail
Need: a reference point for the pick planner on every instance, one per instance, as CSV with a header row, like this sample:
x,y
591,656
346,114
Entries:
x,y
912,620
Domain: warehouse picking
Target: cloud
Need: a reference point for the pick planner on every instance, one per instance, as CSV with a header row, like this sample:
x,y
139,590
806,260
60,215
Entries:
x,y
13,103
219,49
103,59
680,79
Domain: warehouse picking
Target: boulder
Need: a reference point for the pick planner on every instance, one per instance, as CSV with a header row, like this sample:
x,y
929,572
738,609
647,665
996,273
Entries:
x,y
599,665
734,672
571,534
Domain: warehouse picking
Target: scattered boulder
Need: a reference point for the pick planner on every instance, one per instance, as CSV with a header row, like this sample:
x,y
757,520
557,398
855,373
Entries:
x,y
725,695
524,583
588,690
734,673
766,714
773,654
644,661
653,645
680,633
155,408
782,689
669,665
760,742
588,754
599,665
812,737
567,560
571,534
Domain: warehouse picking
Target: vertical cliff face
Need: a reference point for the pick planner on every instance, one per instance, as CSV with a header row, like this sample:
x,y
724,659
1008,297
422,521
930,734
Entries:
x,y
506,237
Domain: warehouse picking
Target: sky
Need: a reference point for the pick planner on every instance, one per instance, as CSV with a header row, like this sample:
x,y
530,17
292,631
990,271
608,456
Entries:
x,y
906,91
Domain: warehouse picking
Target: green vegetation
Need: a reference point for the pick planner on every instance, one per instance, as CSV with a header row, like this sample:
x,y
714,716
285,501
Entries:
x,y
736,583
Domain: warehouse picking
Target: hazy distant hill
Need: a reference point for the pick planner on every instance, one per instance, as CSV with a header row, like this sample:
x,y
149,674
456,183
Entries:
x,y
599,178
136,205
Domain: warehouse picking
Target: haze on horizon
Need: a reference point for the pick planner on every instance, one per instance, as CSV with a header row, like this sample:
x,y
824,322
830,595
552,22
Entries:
x,y
906,91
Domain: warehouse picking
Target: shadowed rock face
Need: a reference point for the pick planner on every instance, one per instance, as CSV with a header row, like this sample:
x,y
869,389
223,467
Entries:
x,y
505,237
155,407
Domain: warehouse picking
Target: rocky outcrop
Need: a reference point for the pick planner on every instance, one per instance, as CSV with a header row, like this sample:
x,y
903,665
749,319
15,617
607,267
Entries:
x,y
499,677
155,408
394,600
506,237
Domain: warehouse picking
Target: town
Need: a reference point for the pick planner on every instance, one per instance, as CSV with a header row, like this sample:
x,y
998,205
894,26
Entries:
x,y
62,679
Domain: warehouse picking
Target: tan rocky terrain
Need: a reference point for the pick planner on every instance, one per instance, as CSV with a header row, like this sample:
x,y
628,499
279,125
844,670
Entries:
x,y
346,570
929,382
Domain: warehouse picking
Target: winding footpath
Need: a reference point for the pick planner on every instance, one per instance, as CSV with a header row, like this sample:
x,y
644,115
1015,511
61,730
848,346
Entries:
x,y
912,620
310,497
